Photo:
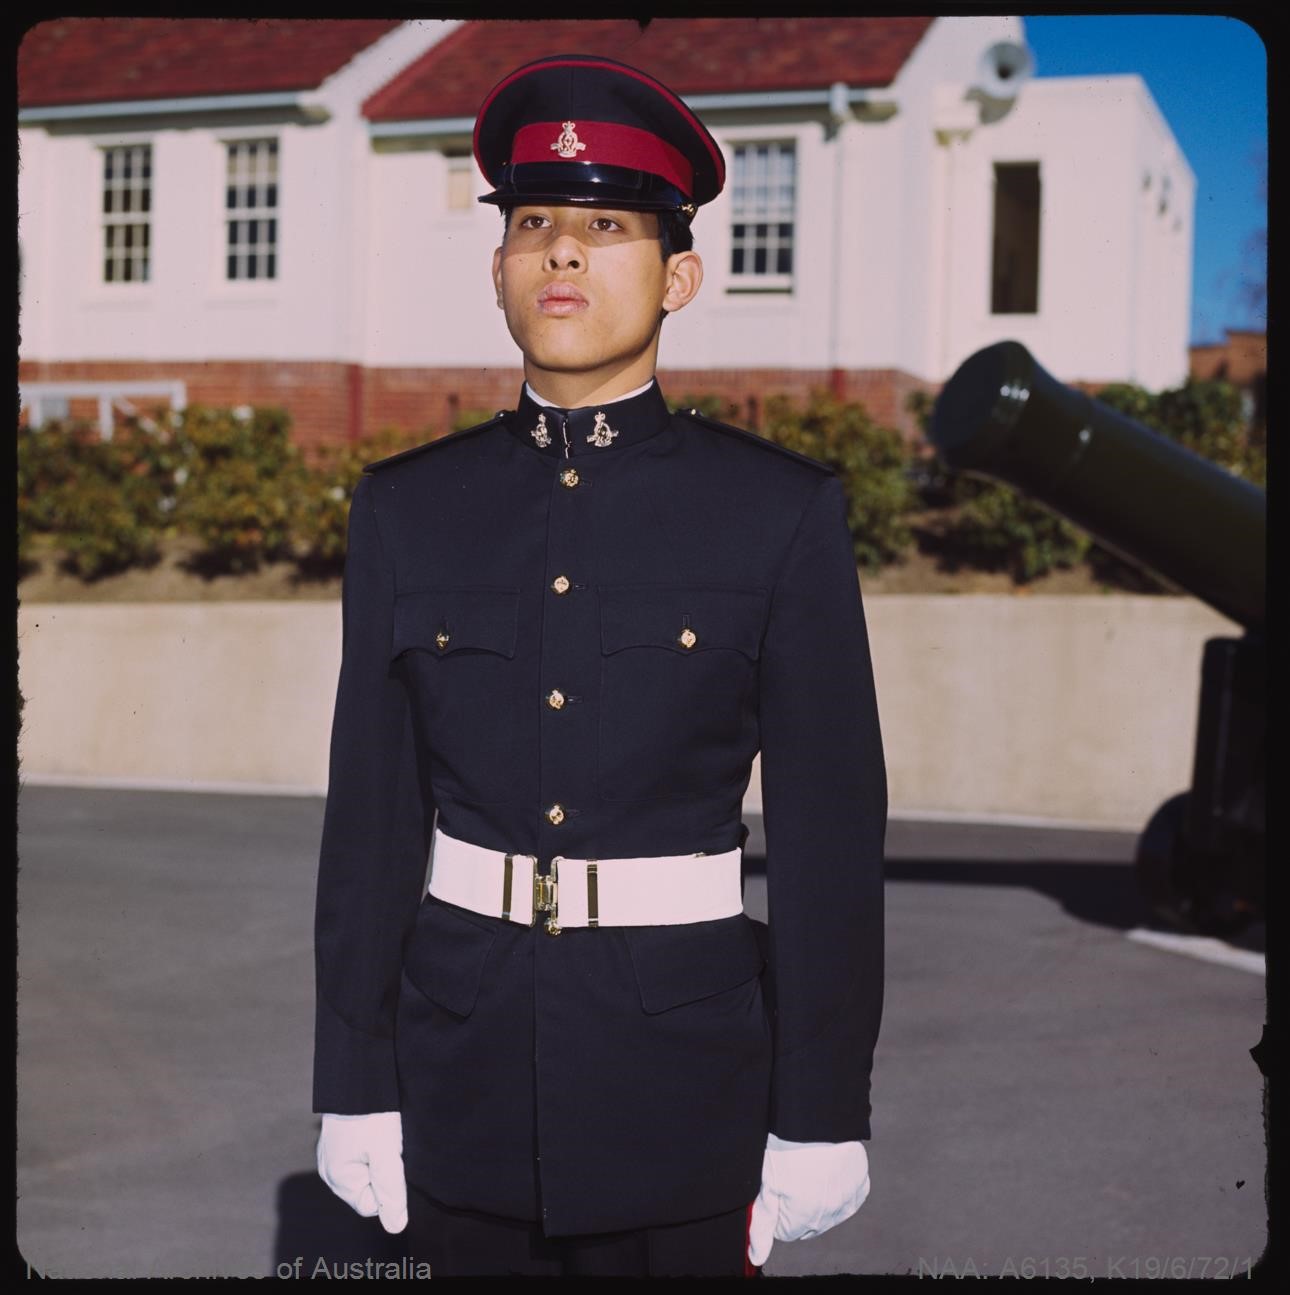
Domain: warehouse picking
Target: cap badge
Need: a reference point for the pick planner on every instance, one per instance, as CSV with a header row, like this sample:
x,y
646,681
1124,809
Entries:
x,y
568,144
601,433
540,433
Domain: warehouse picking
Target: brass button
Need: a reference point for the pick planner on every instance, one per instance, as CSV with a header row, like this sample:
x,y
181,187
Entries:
x,y
560,584
442,639
688,638
569,477
556,814
555,699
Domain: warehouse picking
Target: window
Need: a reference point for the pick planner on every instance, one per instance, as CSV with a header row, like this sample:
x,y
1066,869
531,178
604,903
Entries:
x,y
1014,274
461,181
763,195
251,204
127,208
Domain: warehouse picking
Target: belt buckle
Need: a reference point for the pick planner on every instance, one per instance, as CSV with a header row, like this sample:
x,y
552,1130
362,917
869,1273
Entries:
x,y
546,896
508,879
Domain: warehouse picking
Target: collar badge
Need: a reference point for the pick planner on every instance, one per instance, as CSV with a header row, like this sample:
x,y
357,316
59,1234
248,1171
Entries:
x,y
540,433
568,144
601,433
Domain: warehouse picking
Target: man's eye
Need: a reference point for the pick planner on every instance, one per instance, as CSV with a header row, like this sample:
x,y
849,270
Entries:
x,y
603,224
533,222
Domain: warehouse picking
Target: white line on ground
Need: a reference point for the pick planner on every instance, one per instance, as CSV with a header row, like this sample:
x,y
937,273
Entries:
x,y
1204,947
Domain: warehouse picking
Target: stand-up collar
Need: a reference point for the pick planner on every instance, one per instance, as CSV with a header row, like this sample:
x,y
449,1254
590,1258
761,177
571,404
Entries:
x,y
592,429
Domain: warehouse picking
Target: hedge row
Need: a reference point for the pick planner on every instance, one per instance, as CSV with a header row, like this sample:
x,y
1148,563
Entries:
x,y
230,479
233,481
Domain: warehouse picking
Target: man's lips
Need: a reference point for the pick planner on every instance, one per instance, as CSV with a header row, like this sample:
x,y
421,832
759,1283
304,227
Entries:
x,y
560,299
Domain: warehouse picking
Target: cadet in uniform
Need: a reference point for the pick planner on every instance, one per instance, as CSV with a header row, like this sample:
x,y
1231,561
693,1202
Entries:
x,y
567,633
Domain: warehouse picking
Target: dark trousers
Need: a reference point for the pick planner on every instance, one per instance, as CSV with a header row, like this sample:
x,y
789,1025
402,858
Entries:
x,y
466,1243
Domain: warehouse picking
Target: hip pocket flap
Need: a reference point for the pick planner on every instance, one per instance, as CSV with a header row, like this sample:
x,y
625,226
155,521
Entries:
x,y
682,964
446,954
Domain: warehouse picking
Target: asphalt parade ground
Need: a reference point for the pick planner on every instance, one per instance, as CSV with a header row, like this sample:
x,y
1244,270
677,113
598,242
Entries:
x,y
1058,1091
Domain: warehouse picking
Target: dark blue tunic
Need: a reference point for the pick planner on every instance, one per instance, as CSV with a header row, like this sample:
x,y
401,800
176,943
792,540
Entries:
x,y
615,1077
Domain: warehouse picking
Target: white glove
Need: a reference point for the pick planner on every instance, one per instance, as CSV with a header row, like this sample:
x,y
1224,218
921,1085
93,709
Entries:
x,y
806,1188
360,1157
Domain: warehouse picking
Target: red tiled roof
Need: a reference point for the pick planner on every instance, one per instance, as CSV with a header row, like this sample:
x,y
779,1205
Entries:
x,y
105,60
691,55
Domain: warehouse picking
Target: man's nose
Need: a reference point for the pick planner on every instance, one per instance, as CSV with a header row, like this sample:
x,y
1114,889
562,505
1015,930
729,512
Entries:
x,y
565,253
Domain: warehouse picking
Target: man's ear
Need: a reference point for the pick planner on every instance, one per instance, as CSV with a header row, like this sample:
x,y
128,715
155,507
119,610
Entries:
x,y
684,275
497,274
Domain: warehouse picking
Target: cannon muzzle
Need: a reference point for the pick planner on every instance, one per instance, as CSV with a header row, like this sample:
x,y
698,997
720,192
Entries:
x,y
1154,502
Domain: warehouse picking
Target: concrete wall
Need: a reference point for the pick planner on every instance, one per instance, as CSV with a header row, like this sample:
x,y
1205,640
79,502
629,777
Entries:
x,y
1068,709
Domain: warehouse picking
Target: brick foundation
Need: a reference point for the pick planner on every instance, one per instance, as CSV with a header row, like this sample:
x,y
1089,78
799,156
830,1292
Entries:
x,y
331,402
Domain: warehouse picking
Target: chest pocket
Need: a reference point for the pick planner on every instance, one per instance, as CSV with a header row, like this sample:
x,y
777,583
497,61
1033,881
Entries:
x,y
447,621
456,650
678,665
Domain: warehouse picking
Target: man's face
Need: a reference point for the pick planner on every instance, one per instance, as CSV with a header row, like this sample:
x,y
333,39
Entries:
x,y
584,289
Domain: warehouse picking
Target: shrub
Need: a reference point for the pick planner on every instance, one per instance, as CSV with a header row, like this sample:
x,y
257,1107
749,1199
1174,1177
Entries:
x,y
237,495
320,515
104,527
1207,417
1001,529
91,494
49,458
871,460
463,419
710,406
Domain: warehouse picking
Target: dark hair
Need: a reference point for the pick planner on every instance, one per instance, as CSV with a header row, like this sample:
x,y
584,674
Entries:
x,y
674,232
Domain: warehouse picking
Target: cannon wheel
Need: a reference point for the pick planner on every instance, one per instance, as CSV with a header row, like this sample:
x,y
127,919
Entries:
x,y
1169,880
1158,864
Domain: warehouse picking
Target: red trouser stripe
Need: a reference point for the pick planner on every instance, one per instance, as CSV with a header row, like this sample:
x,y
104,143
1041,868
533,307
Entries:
x,y
749,1270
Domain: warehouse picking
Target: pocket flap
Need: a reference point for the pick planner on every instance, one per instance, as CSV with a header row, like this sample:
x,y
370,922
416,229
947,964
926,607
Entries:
x,y
472,619
445,956
681,964
660,615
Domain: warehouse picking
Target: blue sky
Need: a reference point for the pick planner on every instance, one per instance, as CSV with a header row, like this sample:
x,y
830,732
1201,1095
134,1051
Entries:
x,y
1208,75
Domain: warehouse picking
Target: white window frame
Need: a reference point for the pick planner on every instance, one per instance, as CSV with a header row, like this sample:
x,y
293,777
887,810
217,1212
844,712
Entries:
x,y
772,214
139,216
262,212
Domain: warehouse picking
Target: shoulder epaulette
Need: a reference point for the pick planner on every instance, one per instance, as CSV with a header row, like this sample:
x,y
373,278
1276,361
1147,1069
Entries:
x,y
757,440
431,445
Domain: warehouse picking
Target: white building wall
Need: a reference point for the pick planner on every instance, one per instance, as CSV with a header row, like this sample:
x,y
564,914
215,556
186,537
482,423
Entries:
x,y
431,298
1166,189
892,269
861,266
36,300
740,329
907,196
1111,303
188,310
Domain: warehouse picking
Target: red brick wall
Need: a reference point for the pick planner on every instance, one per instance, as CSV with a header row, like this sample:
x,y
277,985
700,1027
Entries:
x,y
1241,359
330,402
316,392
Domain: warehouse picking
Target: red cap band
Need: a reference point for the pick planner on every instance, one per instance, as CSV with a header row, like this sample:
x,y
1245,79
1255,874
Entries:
x,y
605,142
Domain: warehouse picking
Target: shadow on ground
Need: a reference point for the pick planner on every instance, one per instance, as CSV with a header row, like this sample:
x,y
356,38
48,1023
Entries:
x,y
318,1235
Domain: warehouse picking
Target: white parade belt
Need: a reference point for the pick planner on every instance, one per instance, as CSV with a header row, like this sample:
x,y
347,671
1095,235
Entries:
x,y
657,890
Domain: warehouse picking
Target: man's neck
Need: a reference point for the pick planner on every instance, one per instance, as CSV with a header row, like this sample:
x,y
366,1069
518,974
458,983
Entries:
x,y
594,386
540,399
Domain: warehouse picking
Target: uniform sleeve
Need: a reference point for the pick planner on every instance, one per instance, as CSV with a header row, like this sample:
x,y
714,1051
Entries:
x,y
375,841
824,805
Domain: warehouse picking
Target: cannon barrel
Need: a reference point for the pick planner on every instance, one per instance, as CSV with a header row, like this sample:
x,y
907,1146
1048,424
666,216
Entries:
x,y
1151,500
